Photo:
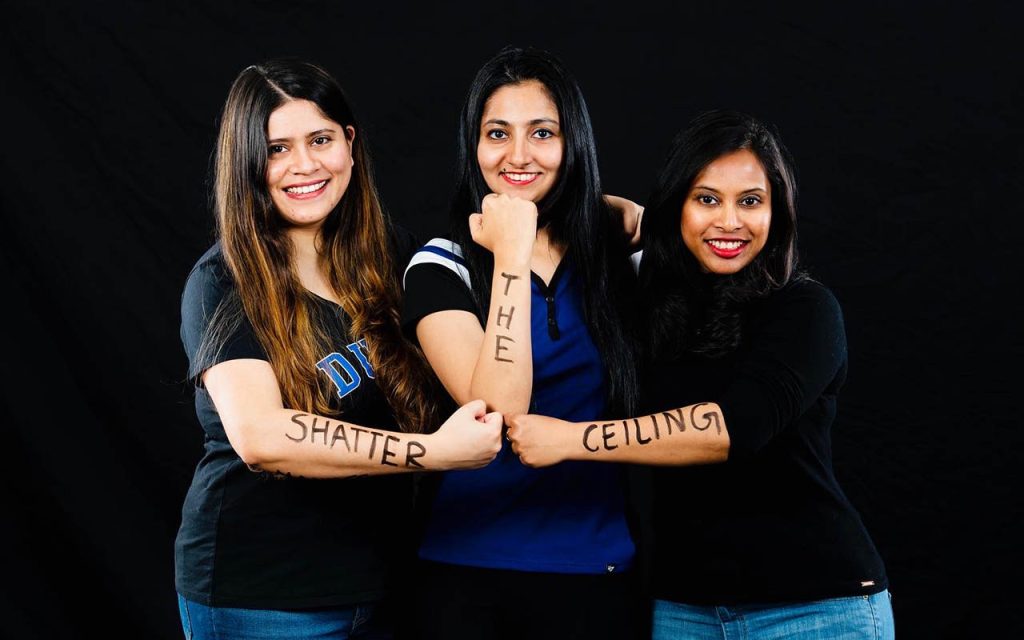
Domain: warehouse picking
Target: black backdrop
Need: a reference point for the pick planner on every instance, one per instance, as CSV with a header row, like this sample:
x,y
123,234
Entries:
x,y
905,124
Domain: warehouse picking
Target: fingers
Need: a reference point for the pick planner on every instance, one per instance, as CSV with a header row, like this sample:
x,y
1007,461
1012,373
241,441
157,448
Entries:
x,y
476,225
476,408
635,239
517,423
493,419
511,437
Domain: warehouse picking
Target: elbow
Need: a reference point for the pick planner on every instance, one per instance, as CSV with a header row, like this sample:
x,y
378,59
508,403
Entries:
x,y
719,449
248,445
250,453
506,406
510,407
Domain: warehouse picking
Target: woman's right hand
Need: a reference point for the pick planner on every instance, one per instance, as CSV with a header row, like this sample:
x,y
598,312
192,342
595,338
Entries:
x,y
469,439
632,214
507,227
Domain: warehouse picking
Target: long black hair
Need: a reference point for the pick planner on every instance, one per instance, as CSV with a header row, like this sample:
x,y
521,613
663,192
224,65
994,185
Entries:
x,y
689,310
573,212
353,244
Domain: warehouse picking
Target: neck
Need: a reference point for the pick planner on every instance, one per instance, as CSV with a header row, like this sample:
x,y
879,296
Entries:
x,y
304,246
306,262
546,255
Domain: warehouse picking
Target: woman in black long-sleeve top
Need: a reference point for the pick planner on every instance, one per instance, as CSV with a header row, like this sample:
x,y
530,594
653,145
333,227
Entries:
x,y
745,357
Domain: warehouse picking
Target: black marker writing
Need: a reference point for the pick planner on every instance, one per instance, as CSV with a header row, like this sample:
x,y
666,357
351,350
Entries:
x,y
508,280
322,430
670,420
410,459
295,419
633,429
373,443
506,316
358,431
639,437
339,434
413,449
709,417
654,421
498,348
387,452
608,435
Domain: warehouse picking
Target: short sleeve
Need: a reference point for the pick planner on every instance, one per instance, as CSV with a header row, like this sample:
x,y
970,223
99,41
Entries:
x,y
635,259
435,280
797,358
214,327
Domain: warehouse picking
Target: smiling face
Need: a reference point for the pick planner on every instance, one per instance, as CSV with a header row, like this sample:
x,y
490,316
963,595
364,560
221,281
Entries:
x,y
309,162
520,146
727,213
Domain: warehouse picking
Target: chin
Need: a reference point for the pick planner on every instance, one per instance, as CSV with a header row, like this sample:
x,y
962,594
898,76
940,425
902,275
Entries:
x,y
724,270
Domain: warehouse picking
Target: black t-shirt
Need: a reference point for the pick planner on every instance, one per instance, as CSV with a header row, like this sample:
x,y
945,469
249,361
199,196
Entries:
x,y
250,540
771,524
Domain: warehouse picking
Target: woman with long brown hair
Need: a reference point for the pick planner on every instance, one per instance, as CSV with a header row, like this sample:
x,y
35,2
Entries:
x,y
303,379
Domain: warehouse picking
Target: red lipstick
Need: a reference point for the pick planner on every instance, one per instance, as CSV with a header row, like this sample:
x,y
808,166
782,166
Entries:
x,y
726,253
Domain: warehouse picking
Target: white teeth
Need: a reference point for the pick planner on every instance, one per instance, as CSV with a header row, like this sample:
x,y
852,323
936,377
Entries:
x,y
726,245
309,188
520,177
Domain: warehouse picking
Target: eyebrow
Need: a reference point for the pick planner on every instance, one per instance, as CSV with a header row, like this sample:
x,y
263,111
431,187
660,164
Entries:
x,y
308,135
505,123
707,188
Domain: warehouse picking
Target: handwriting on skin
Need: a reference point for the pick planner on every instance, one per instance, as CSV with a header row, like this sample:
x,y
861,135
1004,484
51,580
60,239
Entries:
x,y
636,431
500,339
373,442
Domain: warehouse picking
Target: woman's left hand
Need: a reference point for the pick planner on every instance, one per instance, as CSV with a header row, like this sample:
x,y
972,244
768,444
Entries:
x,y
540,441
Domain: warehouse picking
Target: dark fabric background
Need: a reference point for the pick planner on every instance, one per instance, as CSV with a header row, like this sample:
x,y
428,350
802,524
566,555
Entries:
x,y
905,124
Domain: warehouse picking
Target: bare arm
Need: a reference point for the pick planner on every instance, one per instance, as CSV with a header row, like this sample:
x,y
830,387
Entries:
x,y
632,215
273,438
798,353
494,363
695,434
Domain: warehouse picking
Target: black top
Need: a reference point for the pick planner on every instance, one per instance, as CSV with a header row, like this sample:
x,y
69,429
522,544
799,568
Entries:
x,y
771,524
250,540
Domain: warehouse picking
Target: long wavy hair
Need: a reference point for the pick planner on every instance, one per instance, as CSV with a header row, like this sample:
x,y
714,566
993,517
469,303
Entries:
x,y
353,244
573,212
689,310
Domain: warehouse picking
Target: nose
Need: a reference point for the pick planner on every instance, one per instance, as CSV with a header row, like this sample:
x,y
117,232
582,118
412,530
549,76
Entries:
x,y
303,160
519,154
728,217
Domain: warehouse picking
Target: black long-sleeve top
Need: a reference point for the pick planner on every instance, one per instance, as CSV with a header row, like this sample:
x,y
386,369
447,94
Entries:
x,y
771,524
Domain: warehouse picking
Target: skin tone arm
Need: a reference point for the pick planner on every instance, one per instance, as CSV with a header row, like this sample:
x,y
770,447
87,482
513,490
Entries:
x,y
495,363
270,437
695,434
632,215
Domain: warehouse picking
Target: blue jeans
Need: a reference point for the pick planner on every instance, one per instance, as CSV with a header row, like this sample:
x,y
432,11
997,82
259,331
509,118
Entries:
x,y
201,622
852,618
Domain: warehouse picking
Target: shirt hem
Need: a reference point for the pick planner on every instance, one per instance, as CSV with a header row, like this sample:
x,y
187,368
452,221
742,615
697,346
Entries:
x,y
589,568
778,597
305,602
